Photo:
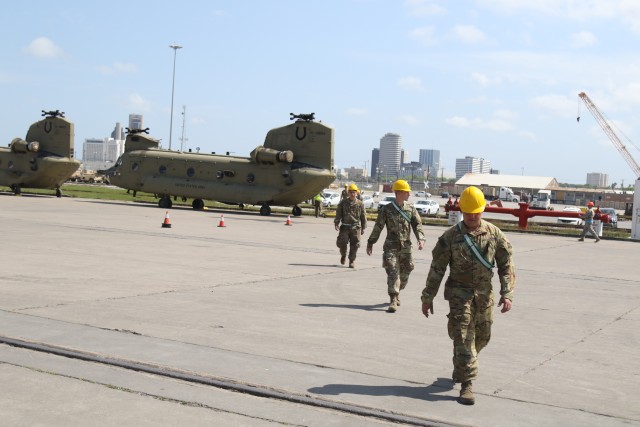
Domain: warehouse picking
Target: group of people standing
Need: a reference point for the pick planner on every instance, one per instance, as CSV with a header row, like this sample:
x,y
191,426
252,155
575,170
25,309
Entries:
x,y
470,249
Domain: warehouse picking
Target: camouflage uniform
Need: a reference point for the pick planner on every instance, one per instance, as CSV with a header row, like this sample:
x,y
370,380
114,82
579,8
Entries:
x,y
354,221
468,289
396,257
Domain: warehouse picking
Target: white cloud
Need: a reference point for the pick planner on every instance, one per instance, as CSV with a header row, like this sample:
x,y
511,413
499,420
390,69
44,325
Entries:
x,y
485,80
118,68
410,120
501,122
356,111
582,39
557,104
137,102
425,35
411,83
42,47
625,11
468,34
424,8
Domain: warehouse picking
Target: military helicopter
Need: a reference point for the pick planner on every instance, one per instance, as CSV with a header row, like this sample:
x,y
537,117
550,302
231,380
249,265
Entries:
x,y
293,165
44,159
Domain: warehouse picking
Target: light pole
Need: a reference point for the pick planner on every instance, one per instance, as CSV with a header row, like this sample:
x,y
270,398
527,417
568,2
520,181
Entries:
x,y
183,139
175,48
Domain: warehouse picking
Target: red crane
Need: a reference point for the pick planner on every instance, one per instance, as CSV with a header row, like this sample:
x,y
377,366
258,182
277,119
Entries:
x,y
610,133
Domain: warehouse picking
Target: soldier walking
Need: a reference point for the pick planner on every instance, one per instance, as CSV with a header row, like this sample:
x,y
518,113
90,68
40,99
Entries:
x,y
351,222
470,248
400,218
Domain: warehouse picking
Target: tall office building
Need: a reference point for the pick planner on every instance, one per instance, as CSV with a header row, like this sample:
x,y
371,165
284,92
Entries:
x,y
472,164
390,154
118,132
598,179
430,160
135,121
375,160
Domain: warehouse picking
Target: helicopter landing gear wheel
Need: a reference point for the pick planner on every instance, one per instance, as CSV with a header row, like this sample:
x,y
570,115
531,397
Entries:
x,y
296,211
265,210
165,202
16,189
197,204
58,192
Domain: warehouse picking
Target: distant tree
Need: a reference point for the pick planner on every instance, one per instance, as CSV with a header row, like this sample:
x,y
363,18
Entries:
x,y
614,185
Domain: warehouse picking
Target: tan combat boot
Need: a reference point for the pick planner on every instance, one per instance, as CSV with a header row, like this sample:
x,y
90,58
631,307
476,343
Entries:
x,y
352,264
393,305
466,394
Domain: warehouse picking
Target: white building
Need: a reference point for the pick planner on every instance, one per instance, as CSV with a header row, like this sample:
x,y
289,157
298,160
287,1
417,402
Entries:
x,y
598,179
472,165
101,153
390,154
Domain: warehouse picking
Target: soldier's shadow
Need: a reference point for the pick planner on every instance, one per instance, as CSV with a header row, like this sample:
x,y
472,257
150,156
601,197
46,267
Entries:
x,y
373,307
429,393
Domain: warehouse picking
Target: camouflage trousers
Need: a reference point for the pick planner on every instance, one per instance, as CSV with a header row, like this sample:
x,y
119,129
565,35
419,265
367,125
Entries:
x,y
398,263
348,236
470,329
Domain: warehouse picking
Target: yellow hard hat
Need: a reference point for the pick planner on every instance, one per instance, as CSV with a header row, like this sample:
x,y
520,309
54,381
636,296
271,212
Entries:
x,y
472,201
353,187
401,185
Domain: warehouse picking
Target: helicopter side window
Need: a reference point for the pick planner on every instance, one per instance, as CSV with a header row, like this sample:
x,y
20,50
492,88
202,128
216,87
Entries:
x,y
250,178
10,164
135,167
162,169
219,174
191,172
230,174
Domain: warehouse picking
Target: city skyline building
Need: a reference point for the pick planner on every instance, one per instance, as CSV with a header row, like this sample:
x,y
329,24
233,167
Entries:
x,y
136,121
598,179
472,164
430,160
390,154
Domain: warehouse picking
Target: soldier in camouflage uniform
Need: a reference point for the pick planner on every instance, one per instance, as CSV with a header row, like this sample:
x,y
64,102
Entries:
x,y
351,213
399,218
470,249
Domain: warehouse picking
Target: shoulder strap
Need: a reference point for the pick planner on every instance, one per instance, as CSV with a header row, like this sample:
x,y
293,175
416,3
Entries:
x,y
475,250
401,212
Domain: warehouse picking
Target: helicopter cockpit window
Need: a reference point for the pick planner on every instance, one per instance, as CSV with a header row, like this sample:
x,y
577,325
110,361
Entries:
x,y
162,169
219,174
191,172
119,161
135,167
250,178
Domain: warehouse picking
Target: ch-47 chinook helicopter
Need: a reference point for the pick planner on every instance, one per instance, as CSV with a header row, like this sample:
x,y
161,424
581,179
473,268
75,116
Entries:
x,y
294,164
44,159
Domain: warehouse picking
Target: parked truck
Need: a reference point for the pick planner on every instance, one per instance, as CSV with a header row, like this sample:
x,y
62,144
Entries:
x,y
507,194
542,200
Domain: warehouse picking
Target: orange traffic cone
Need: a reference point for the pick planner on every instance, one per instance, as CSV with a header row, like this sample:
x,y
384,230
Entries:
x,y
166,223
221,224
288,220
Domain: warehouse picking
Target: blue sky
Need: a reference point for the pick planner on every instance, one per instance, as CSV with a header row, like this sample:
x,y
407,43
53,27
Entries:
x,y
497,79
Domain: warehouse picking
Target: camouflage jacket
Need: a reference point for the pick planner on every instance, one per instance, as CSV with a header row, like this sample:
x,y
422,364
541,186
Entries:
x,y
351,214
399,226
467,275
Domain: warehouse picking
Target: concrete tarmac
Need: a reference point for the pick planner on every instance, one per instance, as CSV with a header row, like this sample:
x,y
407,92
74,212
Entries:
x,y
108,319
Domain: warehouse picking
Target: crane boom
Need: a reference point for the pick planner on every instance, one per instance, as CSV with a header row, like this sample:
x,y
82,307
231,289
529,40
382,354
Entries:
x,y
610,133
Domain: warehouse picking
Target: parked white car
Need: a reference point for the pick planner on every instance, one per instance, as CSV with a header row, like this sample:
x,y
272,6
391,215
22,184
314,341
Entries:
x,y
386,201
570,220
422,194
427,207
332,199
368,202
